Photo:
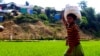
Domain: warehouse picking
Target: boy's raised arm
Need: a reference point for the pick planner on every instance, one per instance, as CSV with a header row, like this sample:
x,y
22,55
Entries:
x,y
63,19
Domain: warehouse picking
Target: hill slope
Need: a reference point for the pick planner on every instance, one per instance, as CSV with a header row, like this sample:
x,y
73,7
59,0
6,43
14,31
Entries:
x,y
38,30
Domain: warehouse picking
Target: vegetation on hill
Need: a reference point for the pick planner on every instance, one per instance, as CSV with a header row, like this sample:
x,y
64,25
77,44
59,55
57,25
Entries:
x,y
90,21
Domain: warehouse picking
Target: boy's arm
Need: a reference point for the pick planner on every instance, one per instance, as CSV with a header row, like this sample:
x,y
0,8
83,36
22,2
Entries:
x,y
63,19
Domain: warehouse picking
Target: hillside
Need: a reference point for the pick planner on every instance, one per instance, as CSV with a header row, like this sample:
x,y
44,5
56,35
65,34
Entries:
x,y
38,30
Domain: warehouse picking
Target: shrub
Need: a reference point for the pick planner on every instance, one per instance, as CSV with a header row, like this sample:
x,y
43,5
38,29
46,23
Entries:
x,y
26,18
43,16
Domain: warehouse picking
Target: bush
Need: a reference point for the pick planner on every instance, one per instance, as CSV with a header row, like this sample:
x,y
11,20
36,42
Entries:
x,y
26,18
43,17
46,22
84,21
49,38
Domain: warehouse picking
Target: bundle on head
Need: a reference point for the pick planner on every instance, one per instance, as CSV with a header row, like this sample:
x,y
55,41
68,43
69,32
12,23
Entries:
x,y
1,28
72,10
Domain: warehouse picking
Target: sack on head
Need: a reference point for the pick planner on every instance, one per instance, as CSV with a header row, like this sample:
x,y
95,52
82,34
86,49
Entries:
x,y
72,9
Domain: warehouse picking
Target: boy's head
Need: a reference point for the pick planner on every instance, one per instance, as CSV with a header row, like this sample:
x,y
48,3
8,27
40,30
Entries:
x,y
71,18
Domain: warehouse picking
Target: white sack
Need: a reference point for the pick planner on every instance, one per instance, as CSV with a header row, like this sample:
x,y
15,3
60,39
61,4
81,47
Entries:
x,y
72,9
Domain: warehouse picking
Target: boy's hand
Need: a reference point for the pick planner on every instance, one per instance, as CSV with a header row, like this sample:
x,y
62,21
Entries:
x,y
66,41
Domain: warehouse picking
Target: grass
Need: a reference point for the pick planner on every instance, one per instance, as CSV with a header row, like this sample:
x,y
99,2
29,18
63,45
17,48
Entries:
x,y
45,48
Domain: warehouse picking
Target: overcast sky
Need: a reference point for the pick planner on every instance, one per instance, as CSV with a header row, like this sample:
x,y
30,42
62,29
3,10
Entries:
x,y
58,4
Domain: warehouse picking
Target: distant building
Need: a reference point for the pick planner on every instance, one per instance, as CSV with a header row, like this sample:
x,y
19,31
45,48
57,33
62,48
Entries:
x,y
3,6
57,16
26,9
13,5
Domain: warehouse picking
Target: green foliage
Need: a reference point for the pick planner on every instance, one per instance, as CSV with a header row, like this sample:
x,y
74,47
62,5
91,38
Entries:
x,y
97,34
7,16
83,4
43,16
26,18
48,15
90,13
46,22
84,21
37,9
35,16
98,17
49,38
90,20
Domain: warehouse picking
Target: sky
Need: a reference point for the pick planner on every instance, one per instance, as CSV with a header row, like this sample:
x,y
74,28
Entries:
x,y
58,4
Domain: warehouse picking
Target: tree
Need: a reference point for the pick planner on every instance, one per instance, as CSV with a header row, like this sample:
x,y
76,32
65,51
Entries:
x,y
27,3
43,16
89,16
89,13
37,9
83,4
50,12
98,17
83,23
98,20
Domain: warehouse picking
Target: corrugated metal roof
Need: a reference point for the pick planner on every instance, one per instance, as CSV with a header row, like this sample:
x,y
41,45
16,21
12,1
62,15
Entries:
x,y
7,11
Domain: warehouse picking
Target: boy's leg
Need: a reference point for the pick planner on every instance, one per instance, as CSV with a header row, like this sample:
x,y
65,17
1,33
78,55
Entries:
x,y
70,49
68,52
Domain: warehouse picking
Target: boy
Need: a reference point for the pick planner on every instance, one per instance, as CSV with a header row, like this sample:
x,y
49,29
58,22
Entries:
x,y
73,39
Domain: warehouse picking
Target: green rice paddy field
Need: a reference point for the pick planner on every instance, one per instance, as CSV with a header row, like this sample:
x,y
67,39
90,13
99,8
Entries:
x,y
45,48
